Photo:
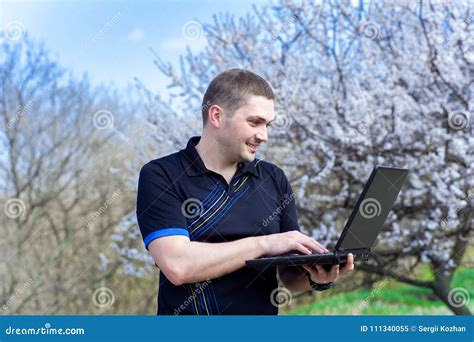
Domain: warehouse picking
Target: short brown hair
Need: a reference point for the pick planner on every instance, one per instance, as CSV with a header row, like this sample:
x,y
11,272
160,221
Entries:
x,y
232,88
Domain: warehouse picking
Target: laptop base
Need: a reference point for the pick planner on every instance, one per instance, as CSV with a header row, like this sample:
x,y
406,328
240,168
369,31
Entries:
x,y
327,260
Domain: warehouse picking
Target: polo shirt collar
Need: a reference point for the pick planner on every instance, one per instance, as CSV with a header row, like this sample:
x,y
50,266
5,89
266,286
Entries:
x,y
194,165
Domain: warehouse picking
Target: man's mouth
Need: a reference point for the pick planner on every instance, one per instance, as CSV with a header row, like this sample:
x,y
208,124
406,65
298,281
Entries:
x,y
252,147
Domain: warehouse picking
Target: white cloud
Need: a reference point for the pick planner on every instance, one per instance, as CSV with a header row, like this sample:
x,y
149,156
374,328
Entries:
x,y
136,35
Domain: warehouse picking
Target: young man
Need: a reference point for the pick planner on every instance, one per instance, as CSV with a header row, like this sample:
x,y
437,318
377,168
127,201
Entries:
x,y
204,210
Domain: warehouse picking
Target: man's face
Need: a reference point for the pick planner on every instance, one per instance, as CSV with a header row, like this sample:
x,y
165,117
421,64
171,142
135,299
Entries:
x,y
242,133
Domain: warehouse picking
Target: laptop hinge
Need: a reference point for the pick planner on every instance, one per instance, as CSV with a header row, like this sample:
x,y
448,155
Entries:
x,y
361,253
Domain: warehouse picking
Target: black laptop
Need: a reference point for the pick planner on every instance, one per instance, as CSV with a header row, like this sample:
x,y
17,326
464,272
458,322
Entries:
x,y
361,229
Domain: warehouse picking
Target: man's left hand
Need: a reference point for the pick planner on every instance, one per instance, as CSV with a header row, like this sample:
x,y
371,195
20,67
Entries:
x,y
319,275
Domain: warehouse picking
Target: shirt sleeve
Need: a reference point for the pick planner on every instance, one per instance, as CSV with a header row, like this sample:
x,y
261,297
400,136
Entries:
x,y
289,216
158,206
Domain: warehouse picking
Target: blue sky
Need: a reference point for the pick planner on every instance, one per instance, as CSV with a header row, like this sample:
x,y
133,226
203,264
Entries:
x,y
110,40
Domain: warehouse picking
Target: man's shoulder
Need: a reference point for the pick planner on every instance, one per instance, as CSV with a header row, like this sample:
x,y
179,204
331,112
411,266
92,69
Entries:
x,y
169,163
268,168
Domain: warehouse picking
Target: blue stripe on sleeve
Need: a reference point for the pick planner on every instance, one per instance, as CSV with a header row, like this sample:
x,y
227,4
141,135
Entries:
x,y
164,232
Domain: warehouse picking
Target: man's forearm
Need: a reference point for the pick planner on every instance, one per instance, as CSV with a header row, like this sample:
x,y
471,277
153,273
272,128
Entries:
x,y
211,260
294,279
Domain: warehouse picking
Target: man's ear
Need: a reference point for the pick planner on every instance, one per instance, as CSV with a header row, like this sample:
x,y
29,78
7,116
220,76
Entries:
x,y
215,116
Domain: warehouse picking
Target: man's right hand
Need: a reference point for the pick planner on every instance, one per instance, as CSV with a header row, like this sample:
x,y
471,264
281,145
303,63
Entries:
x,y
294,241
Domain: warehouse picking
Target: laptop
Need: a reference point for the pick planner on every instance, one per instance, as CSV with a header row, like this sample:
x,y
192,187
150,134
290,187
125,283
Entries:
x,y
362,227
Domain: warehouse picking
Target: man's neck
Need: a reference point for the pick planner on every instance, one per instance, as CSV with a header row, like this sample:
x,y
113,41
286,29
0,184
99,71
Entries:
x,y
211,155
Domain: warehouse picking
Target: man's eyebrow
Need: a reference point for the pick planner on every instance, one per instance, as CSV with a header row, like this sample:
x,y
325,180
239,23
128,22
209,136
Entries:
x,y
259,118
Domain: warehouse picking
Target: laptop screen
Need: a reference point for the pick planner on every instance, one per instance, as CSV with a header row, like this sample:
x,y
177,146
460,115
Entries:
x,y
372,208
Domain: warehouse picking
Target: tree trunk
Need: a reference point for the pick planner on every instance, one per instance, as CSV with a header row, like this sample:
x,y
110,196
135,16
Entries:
x,y
441,287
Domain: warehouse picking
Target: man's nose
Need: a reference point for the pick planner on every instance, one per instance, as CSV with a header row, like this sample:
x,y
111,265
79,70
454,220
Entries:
x,y
262,136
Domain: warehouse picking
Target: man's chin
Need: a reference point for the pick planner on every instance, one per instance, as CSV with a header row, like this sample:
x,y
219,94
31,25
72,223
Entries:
x,y
248,157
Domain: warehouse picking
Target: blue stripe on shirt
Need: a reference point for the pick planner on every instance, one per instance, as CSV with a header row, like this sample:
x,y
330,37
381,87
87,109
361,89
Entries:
x,y
164,232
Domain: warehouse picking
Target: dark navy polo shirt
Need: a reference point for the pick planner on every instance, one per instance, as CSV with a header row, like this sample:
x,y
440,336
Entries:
x,y
177,195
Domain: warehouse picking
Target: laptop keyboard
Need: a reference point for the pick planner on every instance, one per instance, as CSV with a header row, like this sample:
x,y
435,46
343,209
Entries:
x,y
298,254
294,254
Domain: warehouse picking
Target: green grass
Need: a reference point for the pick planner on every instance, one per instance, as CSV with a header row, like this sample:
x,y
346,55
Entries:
x,y
392,298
